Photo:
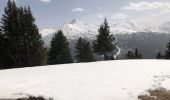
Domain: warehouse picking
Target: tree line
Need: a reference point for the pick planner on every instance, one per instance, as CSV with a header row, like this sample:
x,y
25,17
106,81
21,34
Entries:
x,y
21,44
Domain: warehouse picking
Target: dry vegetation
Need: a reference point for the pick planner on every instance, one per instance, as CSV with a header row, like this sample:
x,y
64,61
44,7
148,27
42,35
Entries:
x,y
157,94
30,98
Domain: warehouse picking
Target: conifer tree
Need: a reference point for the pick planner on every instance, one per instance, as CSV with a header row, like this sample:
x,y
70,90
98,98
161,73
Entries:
x,y
35,52
167,52
134,54
59,52
104,45
137,54
10,27
130,55
2,53
84,51
159,56
22,41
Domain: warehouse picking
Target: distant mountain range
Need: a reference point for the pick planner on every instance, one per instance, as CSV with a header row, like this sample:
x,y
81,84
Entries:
x,y
148,43
149,40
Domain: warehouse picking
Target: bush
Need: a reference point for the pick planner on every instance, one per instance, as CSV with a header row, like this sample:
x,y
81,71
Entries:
x,y
30,98
157,94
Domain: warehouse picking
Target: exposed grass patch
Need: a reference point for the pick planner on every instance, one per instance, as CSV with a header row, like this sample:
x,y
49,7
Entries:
x,y
157,94
30,98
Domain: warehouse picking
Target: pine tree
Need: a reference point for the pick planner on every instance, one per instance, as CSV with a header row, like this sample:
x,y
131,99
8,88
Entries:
x,y
137,54
130,55
2,51
10,27
167,52
59,52
35,52
159,56
5,58
23,43
104,45
84,51
133,54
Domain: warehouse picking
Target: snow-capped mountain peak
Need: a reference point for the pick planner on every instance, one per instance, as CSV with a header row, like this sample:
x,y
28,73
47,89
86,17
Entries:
x,y
76,28
76,22
47,31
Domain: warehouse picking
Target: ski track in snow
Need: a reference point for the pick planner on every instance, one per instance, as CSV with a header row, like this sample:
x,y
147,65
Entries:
x,y
111,80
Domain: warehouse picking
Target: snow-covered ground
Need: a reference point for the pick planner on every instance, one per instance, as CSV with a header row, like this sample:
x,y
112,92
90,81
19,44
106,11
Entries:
x,y
110,80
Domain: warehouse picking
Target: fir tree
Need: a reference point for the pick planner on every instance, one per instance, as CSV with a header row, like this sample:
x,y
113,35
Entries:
x,y
5,57
167,52
84,51
130,55
59,52
137,54
159,56
2,54
10,27
133,54
35,52
22,41
104,45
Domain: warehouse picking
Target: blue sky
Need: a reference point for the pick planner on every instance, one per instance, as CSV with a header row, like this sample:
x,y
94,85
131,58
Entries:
x,y
54,13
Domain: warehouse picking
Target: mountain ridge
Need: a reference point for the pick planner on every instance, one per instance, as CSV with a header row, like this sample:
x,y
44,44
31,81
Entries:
x,y
76,28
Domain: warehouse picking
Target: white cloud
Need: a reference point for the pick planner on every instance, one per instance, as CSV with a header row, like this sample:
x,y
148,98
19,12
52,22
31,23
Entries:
x,y
142,6
46,1
77,9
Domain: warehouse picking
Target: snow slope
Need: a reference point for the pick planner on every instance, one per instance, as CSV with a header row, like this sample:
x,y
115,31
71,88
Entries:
x,y
47,31
76,29
111,80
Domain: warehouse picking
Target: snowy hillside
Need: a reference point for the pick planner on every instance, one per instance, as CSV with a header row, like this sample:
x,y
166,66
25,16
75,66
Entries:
x,y
47,31
112,80
165,27
125,27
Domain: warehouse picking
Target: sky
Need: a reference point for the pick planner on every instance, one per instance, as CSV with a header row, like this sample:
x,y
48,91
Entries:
x,y
55,13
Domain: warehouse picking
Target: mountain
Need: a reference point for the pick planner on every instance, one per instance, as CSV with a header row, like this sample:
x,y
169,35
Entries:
x,y
76,28
73,30
165,27
149,40
125,27
47,31
148,43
